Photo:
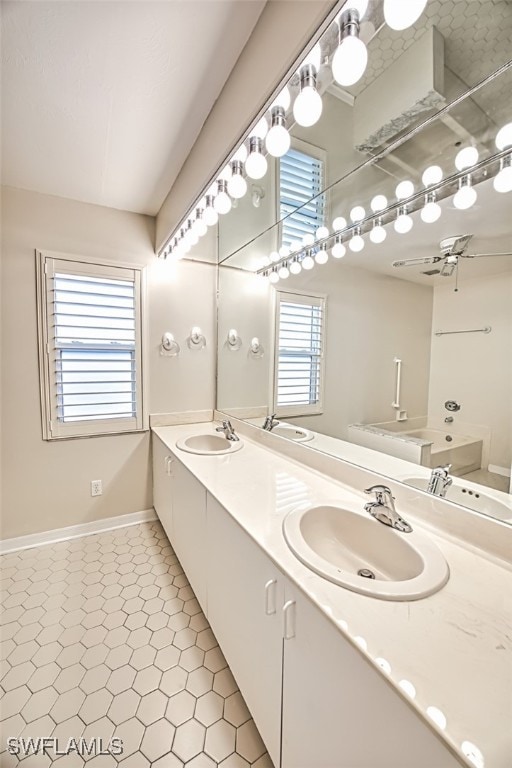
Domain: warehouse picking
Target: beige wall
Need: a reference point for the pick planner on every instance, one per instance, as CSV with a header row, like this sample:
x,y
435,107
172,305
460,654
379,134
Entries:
x,y
475,368
46,484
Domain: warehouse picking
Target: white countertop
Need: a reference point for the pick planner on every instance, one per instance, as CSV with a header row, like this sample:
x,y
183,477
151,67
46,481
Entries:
x,y
455,646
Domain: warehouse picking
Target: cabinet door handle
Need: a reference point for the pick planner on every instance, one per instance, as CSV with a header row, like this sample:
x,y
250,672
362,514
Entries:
x,y
167,463
270,597
289,619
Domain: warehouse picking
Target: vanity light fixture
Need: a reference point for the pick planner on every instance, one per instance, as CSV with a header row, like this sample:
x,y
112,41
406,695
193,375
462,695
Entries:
x,y
307,106
379,203
274,256
466,158
210,215
400,15
378,234
273,276
283,271
295,266
199,223
237,185
357,214
278,139
351,56
356,242
339,224
222,203
404,190
338,249
256,164
321,256
432,175
322,233
403,222
307,261
431,211
466,195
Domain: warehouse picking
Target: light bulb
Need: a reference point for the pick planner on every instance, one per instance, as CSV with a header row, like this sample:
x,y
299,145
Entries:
x,y
295,267
403,222
284,252
431,211
356,242
322,257
503,181
295,246
274,256
400,15
240,155
210,215
432,175
283,100
307,262
260,130
357,213
273,277
237,185
378,203
307,107
338,250
404,189
466,196
349,61
504,137
322,233
265,261
313,58
284,272
378,233
339,223
278,141
225,174
308,239
200,224
360,6
222,202
466,158
256,163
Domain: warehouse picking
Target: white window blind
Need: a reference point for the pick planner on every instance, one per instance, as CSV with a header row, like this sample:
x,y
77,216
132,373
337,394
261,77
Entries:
x,y
300,322
92,348
301,180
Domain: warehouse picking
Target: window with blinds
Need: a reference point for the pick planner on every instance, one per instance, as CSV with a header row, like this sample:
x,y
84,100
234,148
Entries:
x,y
299,345
302,206
91,320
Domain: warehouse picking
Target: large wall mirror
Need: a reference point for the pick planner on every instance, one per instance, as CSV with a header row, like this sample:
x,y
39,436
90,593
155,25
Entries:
x,y
365,280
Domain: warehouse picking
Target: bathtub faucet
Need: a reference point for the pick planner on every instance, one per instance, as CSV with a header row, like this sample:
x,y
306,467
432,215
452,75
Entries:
x,y
440,481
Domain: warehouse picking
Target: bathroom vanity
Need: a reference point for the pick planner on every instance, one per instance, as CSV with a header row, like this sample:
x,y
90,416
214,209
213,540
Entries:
x,y
334,678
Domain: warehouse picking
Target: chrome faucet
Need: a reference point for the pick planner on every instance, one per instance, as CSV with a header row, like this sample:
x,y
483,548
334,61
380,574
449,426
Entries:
x,y
229,432
270,422
440,481
383,508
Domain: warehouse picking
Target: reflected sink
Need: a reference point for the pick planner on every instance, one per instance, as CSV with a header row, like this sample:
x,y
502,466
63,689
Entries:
x,y
297,434
208,445
340,543
469,497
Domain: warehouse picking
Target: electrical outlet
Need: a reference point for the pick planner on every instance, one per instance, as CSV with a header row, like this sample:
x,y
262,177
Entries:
x,y
96,488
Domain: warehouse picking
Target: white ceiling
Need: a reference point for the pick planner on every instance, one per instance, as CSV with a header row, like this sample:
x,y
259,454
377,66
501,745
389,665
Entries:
x,y
103,101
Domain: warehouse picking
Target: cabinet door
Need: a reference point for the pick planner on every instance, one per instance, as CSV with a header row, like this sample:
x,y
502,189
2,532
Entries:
x,y
245,597
189,528
162,491
338,711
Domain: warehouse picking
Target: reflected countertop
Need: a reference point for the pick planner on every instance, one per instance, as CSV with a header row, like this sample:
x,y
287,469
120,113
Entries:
x,y
451,651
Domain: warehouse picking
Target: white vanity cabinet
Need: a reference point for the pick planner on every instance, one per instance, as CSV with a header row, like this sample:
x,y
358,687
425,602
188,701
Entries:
x,y
162,483
245,599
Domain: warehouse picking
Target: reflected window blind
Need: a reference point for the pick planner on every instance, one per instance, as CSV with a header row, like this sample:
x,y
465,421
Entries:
x,y
299,350
300,183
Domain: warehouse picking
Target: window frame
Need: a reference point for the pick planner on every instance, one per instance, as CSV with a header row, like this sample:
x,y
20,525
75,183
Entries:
x,y
47,263
313,409
318,154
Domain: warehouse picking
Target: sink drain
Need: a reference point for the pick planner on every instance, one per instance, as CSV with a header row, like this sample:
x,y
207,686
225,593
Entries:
x,y
366,573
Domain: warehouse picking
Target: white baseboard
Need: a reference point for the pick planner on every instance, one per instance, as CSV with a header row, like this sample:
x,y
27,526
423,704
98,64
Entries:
x,y
497,470
76,531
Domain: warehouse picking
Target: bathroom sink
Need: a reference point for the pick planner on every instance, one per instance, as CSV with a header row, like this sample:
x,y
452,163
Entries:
x,y
297,434
354,550
469,497
208,445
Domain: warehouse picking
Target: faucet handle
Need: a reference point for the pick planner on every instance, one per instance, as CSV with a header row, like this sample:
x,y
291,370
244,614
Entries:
x,y
382,493
378,489
442,470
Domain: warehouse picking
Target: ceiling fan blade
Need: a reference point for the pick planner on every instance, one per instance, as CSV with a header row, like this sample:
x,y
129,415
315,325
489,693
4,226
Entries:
x,y
454,245
480,255
416,262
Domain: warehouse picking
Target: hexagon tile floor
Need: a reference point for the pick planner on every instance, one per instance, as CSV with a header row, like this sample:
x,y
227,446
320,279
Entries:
x,y
102,637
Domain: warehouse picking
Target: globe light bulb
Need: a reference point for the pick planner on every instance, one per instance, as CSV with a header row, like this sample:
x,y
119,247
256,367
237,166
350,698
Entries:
x,y
503,181
260,130
313,58
265,261
400,15
322,233
284,251
295,246
361,6
339,223
307,107
465,197
321,257
274,256
307,262
222,202
404,190
338,250
403,222
349,61
199,224
273,277
210,215
432,175
378,233
256,163
504,137
356,242
357,213
295,267
278,141
225,174
284,272
237,185
378,203
308,239
240,155
283,99
466,158
431,211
